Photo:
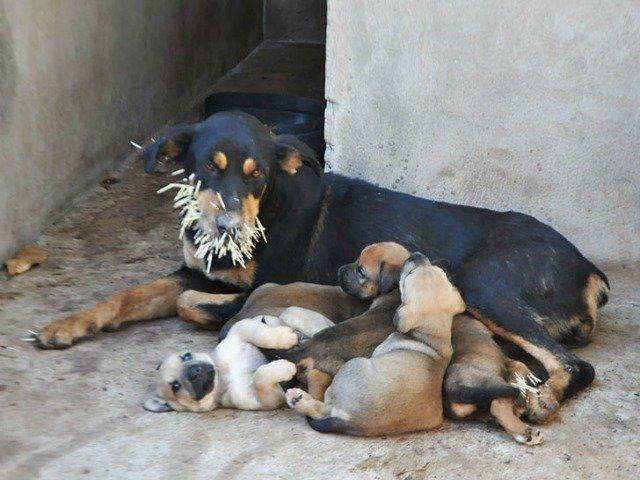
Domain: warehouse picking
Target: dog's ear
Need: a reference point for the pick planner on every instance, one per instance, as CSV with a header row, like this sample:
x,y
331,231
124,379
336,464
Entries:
x,y
156,404
388,277
173,144
293,153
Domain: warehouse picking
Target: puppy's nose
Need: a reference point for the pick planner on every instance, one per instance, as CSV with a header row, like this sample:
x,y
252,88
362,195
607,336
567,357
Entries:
x,y
194,372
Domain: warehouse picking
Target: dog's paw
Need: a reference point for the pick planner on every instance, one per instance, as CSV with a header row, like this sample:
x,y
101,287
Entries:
x,y
531,436
542,407
59,334
287,337
293,396
287,368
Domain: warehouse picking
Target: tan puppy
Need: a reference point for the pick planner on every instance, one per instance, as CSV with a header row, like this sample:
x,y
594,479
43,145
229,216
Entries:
x,y
398,389
480,376
374,275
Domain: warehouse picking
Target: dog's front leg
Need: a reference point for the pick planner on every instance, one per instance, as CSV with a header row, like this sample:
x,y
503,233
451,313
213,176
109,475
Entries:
x,y
208,310
265,336
305,321
266,380
156,299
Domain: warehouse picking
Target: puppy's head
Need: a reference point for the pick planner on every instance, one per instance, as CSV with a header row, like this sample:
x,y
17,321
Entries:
x,y
377,270
185,382
427,289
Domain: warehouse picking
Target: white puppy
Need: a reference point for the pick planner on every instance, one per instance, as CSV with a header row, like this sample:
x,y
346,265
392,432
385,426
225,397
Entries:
x,y
236,374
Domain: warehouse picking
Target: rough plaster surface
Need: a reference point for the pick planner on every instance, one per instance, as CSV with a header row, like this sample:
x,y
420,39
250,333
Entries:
x,y
77,413
295,20
79,79
529,106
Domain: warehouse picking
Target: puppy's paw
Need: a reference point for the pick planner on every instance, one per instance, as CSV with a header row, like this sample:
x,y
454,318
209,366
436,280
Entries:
x,y
287,369
287,337
542,407
531,436
294,396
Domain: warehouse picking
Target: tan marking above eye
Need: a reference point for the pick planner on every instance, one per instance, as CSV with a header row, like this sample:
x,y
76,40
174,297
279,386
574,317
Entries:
x,y
220,160
249,166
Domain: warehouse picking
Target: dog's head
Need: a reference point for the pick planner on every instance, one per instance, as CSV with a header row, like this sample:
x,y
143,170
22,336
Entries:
x,y
427,290
186,382
375,272
235,158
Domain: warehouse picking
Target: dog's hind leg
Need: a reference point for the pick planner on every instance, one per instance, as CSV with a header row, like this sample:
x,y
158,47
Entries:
x,y
266,380
568,374
263,335
156,299
502,411
303,403
208,310
534,406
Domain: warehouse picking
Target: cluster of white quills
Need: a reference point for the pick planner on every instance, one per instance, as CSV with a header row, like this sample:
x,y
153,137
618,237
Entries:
x,y
239,245
524,384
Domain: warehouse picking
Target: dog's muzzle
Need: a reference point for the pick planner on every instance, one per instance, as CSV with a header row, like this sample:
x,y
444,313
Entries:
x,y
201,376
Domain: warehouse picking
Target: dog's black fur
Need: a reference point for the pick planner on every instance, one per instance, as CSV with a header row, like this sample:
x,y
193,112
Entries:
x,y
516,274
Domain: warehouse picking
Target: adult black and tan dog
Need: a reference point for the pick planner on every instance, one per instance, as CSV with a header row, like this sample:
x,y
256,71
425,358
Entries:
x,y
520,277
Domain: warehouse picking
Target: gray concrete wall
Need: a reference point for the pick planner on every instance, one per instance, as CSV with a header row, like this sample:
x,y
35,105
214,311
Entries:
x,y
80,78
530,106
295,20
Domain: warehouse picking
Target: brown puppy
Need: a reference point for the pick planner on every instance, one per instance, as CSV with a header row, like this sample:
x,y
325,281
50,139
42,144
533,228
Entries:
x,y
375,274
398,389
480,376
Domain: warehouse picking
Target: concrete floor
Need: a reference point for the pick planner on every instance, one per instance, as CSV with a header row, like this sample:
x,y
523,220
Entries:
x,y
77,413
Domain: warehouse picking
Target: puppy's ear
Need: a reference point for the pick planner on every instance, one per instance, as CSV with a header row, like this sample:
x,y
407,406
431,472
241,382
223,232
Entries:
x,y
155,404
388,277
173,144
293,153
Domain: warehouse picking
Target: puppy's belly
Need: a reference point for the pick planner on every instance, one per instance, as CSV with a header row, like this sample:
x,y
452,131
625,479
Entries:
x,y
236,362
400,391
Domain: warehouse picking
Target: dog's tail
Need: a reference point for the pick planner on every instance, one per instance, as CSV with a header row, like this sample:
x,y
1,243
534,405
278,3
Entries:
x,y
331,425
482,396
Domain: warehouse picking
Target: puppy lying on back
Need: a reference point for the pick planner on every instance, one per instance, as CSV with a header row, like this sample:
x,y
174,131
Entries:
x,y
237,374
478,378
398,389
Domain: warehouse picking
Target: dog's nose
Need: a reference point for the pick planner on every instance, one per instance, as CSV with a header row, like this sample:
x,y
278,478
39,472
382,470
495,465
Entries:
x,y
194,372
224,223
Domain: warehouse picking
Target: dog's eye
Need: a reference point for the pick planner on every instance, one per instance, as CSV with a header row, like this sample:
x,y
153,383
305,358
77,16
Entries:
x,y
256,173
360,271
175,386
187,357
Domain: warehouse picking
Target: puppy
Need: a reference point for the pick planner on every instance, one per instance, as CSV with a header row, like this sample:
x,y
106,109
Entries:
x,y
480,376
373,276
238,374
398,389
235,375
